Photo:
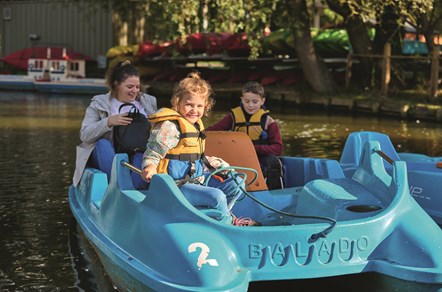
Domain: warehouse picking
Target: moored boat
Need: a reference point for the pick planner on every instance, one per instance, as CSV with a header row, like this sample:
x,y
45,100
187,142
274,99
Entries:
x,y
20,59
424,172
14,82
59,74
321,224
78,86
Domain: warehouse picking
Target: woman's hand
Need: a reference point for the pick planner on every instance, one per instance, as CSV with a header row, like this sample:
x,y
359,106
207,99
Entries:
x,y
148,172
119,120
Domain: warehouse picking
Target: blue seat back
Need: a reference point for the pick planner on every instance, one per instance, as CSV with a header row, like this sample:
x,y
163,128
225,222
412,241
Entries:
x,y
300,170
351,154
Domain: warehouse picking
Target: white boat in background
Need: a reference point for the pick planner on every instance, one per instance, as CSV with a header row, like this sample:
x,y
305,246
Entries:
x,y
55,75
16,82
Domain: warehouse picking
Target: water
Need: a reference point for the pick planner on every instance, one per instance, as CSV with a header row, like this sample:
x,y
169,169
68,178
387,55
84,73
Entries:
x,y
41,248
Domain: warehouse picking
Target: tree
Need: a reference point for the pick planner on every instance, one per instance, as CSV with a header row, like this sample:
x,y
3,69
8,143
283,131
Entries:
x,y
253,16
315,71
358,34
168,19
171,18
388,18
429,23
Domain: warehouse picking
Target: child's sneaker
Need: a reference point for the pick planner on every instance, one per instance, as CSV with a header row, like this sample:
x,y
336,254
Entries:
x,y
244,221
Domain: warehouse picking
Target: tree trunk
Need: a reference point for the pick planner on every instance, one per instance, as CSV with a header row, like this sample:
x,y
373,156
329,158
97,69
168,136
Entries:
x,y
429,40
388,30
360,41
427,29
119,30
315,71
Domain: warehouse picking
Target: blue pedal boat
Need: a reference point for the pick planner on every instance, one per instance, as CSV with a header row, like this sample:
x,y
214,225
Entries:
x,y
424,172
321,224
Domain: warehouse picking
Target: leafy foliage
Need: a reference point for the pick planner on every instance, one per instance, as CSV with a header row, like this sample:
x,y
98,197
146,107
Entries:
x,y
371,10
169,19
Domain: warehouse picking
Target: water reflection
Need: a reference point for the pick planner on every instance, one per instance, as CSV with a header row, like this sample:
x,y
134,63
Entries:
x,y
41,249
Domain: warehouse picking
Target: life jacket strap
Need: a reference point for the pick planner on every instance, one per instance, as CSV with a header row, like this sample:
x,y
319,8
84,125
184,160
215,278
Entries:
x,y
192,157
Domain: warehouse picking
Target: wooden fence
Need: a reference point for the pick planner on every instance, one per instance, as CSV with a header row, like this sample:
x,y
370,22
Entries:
x,y
386,68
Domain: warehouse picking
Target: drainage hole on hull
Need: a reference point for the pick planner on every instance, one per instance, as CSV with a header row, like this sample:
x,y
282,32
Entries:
x,y
363,208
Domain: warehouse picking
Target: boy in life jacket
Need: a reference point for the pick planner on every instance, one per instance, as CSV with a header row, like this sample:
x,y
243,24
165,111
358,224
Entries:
x,y
252,118
176,147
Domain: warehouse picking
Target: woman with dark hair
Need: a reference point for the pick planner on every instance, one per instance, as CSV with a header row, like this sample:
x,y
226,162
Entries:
x,y
104,113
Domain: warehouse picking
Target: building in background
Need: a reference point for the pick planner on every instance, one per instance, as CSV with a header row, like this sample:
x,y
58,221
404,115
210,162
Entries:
x,y
27,24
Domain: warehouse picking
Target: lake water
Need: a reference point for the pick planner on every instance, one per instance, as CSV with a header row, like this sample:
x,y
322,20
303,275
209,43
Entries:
x,y
40,246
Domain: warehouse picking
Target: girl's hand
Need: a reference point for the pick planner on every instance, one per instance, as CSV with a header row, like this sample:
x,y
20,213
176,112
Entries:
x,y
148,172
217,162
119,120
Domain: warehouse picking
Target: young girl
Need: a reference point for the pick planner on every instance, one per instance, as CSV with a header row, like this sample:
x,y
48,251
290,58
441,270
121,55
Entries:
x,y
176,147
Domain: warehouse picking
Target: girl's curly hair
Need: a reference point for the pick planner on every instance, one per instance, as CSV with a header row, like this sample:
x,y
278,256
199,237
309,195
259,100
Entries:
x,y
195,85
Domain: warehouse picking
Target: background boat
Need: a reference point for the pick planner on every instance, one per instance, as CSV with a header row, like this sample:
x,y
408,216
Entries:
x,y
55,72
20,58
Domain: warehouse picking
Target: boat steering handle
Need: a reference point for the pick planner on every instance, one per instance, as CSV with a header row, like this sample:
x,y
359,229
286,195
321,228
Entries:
x,y
131,167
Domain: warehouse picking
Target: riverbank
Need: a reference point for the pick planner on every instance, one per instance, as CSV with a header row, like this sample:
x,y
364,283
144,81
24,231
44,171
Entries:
x,y
413,106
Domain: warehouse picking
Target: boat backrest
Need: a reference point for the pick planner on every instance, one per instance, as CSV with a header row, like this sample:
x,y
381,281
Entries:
x,y
371,172
351,154
300,170
237,149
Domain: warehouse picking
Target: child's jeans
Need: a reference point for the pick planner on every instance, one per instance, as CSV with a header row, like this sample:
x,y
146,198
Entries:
x,y
216,195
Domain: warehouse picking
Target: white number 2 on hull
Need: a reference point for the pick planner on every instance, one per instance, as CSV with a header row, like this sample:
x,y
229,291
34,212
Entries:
x,y
202,258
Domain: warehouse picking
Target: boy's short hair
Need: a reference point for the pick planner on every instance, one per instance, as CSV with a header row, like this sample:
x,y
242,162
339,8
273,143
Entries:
x,y
253,87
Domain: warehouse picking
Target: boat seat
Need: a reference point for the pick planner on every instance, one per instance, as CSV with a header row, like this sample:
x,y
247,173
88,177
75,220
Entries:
x,y
336,199
237,149
351,153
97,183
349,198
